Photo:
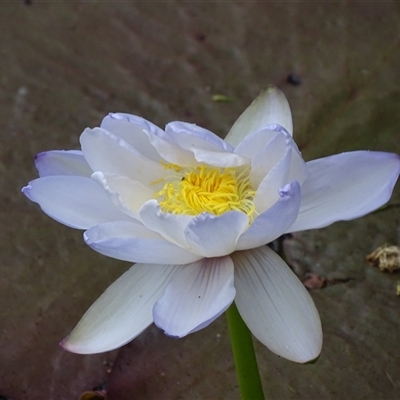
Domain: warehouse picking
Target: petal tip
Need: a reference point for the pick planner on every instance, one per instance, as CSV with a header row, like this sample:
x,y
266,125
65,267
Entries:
x,y
86,238
66,345
71,345
38,156
289,189
310,355
26,188
269,107
271,90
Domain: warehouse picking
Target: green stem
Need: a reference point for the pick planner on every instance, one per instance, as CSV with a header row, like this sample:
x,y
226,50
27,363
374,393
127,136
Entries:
x,y
245,358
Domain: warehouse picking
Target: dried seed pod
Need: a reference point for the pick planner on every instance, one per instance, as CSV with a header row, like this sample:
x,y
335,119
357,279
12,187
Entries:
x,y
386,258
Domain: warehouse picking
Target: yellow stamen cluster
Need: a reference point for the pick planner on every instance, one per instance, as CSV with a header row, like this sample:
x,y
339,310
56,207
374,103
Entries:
x,y
208,189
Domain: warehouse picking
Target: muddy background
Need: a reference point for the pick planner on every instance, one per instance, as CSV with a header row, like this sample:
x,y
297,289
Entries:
x,y
64,65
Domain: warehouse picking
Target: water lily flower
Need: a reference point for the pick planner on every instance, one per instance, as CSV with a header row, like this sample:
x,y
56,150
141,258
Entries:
x,y
195,212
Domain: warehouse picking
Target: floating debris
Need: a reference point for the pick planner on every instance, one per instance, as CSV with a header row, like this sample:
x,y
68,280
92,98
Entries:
x,y
94,395
293,79
386,258
314,281
97,393
221,98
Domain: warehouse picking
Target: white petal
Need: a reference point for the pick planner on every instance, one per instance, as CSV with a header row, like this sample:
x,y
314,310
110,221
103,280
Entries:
x,y
255,143
110,154
275,305
74,201
272,223
126,194
268,190
131,241
195,297
345,186
132,119
191,136
60,162
269,108
298,168
206,147
170,226
132,129
170,150
215,236
122,312
219,159
269,157
265,148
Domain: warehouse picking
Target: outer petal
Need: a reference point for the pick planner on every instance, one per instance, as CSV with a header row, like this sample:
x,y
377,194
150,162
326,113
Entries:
x,y
275,305
215,236
110,154
74,201
131,241
345,186
122,312
269,108
272,223
61,162
196,296
132,129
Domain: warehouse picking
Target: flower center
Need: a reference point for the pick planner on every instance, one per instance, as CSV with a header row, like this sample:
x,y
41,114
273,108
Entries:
x,y
208,189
